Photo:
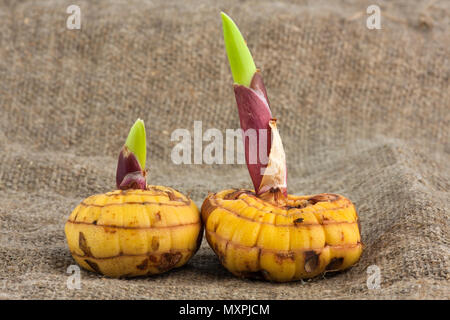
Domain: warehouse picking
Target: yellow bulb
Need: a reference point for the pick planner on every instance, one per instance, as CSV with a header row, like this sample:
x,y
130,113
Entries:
x,y
134,232
303,238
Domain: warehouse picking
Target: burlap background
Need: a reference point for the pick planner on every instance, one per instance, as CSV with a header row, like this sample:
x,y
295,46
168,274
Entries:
x,y
364,113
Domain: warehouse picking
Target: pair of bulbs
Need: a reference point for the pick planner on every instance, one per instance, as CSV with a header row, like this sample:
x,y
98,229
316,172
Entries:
x,y
141,229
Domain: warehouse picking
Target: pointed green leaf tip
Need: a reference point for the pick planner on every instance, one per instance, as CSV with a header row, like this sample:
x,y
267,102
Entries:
x,y
136,142
241,62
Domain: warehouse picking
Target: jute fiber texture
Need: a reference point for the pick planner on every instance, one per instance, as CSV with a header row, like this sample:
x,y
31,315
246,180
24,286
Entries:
x,y
363,113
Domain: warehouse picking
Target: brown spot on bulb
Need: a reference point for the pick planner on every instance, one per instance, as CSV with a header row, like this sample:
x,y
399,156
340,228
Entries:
x,y
311,261
155,243
281,256
324,197
207,207
335,264
94,266
82,243
109,230
169,260
143,265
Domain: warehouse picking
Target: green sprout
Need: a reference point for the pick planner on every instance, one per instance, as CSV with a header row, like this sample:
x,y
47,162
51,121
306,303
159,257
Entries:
x,y
136,142
241,62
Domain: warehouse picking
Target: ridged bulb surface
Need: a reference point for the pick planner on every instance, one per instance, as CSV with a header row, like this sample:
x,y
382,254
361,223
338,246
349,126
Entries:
x,y
134,232
302,239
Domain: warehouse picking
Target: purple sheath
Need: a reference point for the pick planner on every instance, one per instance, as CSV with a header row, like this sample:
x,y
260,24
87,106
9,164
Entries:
x,y
254,113
129,173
